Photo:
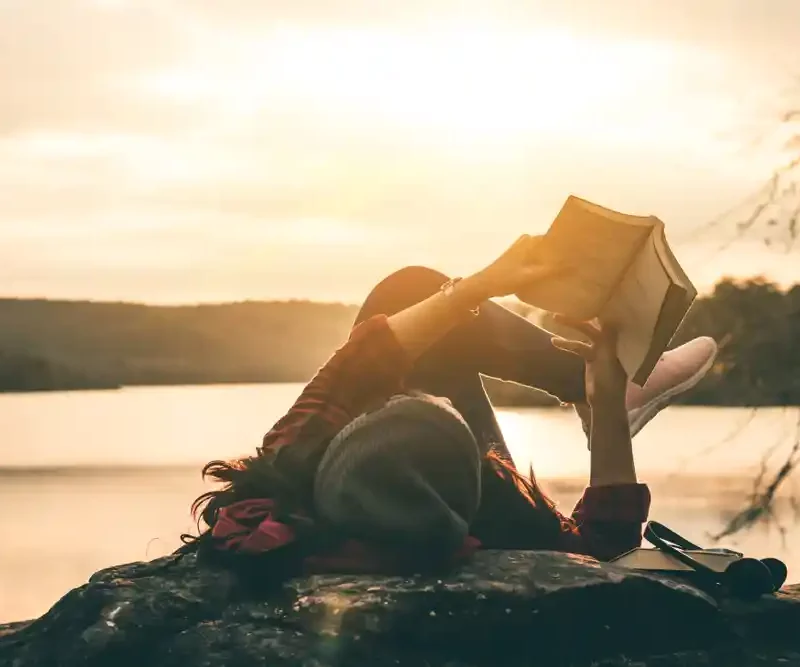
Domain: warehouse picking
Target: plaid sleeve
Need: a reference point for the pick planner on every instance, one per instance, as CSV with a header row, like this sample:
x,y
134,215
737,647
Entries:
x,y
369,367
607,521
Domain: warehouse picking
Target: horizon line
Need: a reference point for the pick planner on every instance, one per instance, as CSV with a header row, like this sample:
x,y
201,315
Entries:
x,y
308,300
176,304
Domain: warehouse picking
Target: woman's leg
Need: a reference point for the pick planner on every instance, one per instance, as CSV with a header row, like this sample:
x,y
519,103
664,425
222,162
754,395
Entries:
x,y
496,343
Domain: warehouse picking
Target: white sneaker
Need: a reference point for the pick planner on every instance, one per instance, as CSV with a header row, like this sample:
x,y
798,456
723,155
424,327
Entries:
x,y
677,371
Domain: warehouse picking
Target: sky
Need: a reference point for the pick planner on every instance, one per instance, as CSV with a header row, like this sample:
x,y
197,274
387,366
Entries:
x,y
195,150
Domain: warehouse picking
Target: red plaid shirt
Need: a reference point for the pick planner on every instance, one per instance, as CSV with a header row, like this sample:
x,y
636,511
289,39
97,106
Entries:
x,y
371,366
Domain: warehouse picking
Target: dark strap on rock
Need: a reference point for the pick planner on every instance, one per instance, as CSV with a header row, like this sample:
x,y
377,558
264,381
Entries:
x,y
745,577
656,532
670,542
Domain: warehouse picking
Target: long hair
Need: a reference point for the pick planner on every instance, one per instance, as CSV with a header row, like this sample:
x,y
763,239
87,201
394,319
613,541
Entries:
x,y
514,512
257,476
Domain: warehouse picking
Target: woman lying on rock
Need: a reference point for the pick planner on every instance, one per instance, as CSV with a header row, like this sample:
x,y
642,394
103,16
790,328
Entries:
x,y
392,459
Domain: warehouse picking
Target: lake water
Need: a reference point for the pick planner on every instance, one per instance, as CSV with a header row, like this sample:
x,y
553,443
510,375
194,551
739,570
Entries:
x,y
62,521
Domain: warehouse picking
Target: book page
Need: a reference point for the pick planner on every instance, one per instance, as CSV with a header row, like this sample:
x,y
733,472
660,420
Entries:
x,y
596,246
655,559
679,298
635,306
671,264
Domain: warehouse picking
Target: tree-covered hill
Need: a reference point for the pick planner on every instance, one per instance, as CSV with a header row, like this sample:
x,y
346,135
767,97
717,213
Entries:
x,y
66,345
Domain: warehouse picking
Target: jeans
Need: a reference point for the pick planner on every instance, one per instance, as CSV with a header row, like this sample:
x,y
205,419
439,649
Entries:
x,y
497,343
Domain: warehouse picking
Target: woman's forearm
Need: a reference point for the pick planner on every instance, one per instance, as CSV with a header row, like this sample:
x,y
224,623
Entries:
x,y
419,326
611,447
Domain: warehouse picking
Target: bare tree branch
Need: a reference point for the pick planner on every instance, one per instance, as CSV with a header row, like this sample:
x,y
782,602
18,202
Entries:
x,y
761,505
791,116
774,207
708,449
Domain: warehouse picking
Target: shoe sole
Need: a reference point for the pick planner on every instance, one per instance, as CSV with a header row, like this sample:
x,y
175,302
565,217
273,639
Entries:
x,y
639,417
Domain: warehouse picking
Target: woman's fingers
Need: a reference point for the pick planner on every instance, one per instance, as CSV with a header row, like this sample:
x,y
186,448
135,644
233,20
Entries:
x,y
610,335
518,251
536,251
522,243
588,329
574,346
537,273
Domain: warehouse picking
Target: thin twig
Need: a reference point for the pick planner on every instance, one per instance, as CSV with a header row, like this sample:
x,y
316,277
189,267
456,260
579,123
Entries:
x,y
708,449
762,499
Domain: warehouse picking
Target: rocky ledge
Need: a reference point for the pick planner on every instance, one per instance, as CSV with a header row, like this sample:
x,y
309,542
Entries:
x,y
504,608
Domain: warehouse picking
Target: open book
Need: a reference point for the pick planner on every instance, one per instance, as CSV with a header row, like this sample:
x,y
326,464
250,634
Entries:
x,y
643,558
620,269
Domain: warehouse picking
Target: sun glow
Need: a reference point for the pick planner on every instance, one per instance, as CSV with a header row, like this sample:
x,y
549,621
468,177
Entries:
x,y
473,85
187,150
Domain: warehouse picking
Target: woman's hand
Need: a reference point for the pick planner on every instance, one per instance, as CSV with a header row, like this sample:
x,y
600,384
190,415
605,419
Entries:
x,y
606,383
419,326
606,380
517,267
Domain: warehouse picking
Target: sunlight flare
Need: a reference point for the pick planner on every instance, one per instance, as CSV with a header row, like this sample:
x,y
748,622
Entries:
x,y
462,85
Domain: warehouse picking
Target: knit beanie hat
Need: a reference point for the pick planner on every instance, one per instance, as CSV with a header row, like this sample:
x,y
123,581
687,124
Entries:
x,y
405,476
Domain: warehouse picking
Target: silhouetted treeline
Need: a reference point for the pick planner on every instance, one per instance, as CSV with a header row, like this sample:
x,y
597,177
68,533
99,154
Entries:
x,y
758,328
131,344
23,372
53,345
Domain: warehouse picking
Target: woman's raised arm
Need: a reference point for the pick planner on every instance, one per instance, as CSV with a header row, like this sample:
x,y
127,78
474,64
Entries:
x,y
418,327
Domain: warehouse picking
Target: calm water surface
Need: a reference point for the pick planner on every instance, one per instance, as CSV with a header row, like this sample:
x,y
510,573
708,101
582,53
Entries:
x,y
62,522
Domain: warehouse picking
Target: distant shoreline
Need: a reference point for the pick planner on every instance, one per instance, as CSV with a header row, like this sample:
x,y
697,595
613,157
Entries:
x,y
502,394
69,346
56,390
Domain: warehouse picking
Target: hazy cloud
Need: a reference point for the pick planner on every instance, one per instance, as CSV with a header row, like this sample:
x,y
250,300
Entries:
x,y
71,63
154,141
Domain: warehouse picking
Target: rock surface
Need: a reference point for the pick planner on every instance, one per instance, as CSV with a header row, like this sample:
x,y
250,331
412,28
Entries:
x,y
504,608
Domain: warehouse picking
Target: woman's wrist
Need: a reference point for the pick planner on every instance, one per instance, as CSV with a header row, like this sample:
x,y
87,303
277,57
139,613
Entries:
x,y
472,291
608,402
611,449
609,414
